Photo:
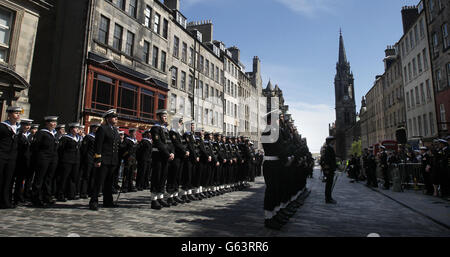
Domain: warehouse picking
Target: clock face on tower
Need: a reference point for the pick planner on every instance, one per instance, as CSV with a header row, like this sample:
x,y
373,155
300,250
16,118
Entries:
x,y
345,97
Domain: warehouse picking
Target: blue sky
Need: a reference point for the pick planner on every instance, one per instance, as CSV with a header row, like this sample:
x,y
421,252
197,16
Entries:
x,y
298,41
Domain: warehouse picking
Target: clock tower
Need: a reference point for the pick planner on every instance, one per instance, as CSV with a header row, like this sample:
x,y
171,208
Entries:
x,y
345,103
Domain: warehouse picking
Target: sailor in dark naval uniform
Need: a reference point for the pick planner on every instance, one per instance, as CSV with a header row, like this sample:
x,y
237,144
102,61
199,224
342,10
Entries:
x,y
45,153
69,159
189,165
130,164
23,160
176,166
30,172
87,161
105,158
162,154
144,161
8,154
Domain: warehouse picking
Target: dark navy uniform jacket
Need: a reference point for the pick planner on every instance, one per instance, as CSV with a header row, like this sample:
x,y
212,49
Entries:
x,y
107,145
8,142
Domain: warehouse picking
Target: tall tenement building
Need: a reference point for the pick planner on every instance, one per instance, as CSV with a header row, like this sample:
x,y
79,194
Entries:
x,y
138,56
345,103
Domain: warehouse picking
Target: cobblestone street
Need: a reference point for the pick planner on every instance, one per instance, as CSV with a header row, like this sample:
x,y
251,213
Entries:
x,y
359,211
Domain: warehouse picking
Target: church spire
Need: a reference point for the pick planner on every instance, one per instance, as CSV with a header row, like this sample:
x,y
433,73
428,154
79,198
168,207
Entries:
x,y
342,55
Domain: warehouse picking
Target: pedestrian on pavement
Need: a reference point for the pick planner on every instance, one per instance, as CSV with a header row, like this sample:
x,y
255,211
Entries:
x,y
329,168
23,160
384,167
87,152
129,157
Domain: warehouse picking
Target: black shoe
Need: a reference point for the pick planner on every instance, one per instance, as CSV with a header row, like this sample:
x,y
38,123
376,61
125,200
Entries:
x,y
124,190
163,203
39,204
139,189
178,200
115,191
331,201
61,199
93,206
281,219
50,201
133,189
172,201
272,224
110,205
185,199
156,205
192,198
83,196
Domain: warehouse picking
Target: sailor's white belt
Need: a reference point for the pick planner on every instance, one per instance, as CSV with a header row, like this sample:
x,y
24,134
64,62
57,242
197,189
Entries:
x,y
155,150
271,158
183,141
169,142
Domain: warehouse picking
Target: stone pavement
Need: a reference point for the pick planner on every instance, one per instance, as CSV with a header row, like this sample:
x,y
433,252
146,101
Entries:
x,y
359,211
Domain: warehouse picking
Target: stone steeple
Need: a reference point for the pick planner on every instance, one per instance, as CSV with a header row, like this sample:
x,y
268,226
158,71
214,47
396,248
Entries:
x,y
342,54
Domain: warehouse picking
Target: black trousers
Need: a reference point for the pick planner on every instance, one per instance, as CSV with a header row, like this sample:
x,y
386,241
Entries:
x,y
116,174
174,175
20,175
128,173
43,179
329,185
372,177
206,174
272,196
143,174
196,174
103,178
186,175
87,179
67,180
6,175
385,172
159,175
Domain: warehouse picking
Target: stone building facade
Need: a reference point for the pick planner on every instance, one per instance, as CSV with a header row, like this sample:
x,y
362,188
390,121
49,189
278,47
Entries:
x,y
19,21
417,76
437,14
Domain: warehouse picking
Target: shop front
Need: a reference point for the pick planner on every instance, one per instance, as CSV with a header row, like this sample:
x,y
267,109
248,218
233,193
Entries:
x,y
135,96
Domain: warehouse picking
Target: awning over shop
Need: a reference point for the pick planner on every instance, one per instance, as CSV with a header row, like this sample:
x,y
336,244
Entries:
x,y
10,77
128,71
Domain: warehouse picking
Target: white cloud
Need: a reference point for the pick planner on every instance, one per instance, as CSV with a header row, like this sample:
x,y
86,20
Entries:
x,y
309,8
312,122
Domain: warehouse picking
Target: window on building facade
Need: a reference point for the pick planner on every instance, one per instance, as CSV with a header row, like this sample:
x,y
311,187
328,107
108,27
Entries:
x,y
127,99
132,8
206,91
425,125
156,27
419,123
173,103
431,8
148,17
176,46
121,4
412,98
146,56
207,67
181,105
428,87
439,83
419,63
414,67
163,61
165,28
416,89
217,74
425,60
161,102
117,43
421,28
416,34
212,71
155,57
409,72
443,118
147,104
435,40
103,93
431,119
406,75
410,128
422,93
174,77
130,44
103,31
403,49
202,63
448,73
445,39
191,56
415,126
184,52
408,105
183,81
191,83
200,89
